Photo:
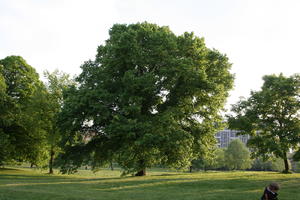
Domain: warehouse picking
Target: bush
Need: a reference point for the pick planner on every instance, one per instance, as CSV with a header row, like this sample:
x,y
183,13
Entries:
x,y
237,156
273,164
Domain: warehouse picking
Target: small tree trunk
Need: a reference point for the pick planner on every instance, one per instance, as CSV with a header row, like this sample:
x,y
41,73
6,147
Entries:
x,y
286,163
142,166
191,169
51,160
141,173
111,166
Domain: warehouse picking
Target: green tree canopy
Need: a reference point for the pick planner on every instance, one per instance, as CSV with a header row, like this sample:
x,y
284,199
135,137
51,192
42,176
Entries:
x,y
149,97
56,83
215,160
272,164
237,155
21,124
271,116
4,138
220,159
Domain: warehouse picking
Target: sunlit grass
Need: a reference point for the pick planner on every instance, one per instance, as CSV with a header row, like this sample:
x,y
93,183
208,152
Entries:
x,y
29,184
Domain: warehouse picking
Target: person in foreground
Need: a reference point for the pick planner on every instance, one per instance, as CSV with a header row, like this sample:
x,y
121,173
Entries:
x,y
270,192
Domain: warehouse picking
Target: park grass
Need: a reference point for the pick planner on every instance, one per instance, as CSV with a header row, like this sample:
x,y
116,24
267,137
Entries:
x,y
26,184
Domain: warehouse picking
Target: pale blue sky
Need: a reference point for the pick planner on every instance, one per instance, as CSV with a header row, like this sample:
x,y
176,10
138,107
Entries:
x,y
259,36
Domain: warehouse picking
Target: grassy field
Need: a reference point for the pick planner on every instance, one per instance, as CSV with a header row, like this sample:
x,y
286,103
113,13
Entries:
x,y
25,184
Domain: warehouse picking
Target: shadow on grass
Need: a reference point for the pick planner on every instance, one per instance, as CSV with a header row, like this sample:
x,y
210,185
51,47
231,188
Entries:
x,y
155,187
9,169
162,182
128,183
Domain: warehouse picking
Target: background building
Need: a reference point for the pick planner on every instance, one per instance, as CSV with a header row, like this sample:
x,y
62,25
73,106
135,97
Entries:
x,y
224,137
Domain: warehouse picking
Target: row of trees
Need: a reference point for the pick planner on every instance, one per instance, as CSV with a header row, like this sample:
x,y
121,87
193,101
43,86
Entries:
x,y
237,157
29,110
149,98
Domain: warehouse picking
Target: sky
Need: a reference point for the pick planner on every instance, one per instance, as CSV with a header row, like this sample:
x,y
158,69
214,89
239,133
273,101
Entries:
x,y
260,37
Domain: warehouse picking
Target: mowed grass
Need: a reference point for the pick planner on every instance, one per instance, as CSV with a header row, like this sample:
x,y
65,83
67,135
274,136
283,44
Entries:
x,y
21,184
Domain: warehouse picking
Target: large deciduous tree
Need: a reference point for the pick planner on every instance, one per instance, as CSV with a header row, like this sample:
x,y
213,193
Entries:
x,y
150,97
271,116
22,130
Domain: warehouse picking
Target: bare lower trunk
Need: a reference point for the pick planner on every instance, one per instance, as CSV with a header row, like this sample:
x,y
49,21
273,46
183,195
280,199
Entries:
x,y
286,164
141,173
142,166
111,166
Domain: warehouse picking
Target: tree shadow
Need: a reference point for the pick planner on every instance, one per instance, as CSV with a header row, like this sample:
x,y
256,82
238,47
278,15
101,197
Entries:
x,y
163,186
9,169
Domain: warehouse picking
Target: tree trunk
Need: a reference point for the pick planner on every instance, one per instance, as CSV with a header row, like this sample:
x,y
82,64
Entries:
x,y
51,161
111,166
142,169
286,163
141,173
191,169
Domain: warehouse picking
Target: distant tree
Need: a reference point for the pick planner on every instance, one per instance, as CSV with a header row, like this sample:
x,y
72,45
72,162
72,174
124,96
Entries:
x,y
21,125
56,83
219,159
260,164
278,165
237,156
206,161
272,164
150,97
215,160
271,116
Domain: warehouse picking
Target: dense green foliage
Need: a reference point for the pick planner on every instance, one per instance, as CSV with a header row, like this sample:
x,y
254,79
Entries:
x,y
150,97
107,185
56,83
29,110
215,160
22,129
4,138
272,164
237,156
271,116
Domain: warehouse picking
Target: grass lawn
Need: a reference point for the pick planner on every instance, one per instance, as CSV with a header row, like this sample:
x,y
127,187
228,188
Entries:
x,y
25,184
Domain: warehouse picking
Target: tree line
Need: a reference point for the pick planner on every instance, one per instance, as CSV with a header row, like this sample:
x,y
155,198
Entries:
x,y
148,98
29,128
238,157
